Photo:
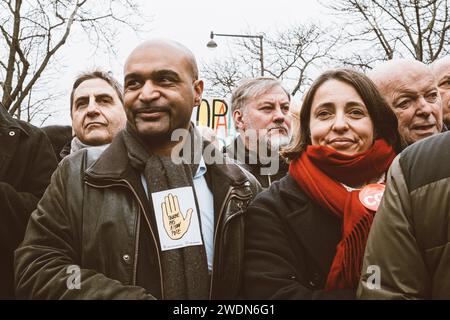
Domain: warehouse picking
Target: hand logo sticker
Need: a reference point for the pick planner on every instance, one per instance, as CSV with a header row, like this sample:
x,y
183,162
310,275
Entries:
x,y
175,224
177,218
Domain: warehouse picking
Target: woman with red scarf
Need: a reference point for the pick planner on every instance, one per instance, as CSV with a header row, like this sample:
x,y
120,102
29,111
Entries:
x,y
305,236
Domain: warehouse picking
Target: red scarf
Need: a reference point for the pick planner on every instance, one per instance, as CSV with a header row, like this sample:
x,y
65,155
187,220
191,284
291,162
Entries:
x,y
318,172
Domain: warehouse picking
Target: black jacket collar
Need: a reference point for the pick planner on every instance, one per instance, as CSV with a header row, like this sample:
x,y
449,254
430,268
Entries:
x,y
112,163
8,122
113,166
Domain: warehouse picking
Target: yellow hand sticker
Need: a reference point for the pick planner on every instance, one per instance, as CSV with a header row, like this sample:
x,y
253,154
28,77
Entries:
x,y
174,223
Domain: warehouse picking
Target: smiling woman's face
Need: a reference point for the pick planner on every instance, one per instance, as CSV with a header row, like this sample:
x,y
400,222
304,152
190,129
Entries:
x,y
339,119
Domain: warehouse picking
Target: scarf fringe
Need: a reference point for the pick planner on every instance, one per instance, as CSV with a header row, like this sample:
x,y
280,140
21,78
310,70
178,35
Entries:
x,y
353,253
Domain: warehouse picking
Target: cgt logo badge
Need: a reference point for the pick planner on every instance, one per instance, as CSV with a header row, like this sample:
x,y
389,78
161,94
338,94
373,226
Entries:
x,y
371,195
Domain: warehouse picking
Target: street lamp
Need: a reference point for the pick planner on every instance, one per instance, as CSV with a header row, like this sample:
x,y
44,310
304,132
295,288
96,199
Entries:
x,y
212,44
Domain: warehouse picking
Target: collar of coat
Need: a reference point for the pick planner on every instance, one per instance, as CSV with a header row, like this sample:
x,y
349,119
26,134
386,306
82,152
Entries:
x,y
9,123
113,164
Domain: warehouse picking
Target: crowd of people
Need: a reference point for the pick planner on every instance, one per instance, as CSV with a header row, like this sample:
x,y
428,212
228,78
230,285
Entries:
x,y
347,198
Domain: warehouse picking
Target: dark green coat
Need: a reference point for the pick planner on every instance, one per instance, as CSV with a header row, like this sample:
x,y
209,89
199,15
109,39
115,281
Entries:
x,y
410,237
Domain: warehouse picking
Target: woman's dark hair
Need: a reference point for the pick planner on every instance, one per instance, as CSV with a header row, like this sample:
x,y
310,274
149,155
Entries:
x,y
383,118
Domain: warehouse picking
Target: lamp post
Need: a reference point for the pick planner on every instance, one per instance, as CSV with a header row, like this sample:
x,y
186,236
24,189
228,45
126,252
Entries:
x,y
212,44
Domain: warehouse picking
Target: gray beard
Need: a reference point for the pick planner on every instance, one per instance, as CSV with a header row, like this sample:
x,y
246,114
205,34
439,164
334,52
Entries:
x,y
275,143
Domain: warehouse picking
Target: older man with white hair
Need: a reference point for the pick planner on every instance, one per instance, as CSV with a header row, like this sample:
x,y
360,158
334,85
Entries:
x,y
411,89
261,115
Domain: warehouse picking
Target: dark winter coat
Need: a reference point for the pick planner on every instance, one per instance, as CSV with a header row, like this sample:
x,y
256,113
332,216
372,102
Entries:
x,y
95,214
60,137
290,245
27,162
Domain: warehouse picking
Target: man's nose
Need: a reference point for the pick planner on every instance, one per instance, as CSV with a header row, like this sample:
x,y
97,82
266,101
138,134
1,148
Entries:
x,y
424,107
92,108
278,116
149,91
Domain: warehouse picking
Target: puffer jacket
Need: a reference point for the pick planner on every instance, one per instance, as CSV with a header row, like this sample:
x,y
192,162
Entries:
x,y
95,215
408,249
26,165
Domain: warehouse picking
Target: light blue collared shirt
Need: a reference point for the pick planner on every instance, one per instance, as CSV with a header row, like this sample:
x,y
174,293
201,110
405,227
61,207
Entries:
x,y
205,202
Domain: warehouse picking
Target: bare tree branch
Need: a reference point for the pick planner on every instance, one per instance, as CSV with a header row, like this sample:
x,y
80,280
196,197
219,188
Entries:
x,y
35,31
13,45
288,55
415,28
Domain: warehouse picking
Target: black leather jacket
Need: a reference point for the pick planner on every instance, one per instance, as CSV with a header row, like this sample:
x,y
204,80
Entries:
x,y
97,216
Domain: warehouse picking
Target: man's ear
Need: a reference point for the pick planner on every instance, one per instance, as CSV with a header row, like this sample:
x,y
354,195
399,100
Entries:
x,y
198,88
238,120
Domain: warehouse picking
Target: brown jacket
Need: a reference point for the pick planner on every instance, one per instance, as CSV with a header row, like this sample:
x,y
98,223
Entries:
x,y
95,215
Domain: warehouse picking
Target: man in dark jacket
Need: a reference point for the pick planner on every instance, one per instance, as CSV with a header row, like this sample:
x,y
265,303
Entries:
x,y
151,216
26,165
260,109
408,250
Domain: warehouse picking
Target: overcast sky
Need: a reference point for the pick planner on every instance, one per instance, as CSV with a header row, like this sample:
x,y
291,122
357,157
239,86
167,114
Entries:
x,y
189,22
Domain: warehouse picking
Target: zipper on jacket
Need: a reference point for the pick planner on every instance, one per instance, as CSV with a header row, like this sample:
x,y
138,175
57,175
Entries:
x,y
228,197
215,239
237,213
136,247
149,225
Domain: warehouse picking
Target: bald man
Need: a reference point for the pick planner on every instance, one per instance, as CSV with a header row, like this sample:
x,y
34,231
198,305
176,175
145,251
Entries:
x,y
149,218
441,69
410,88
